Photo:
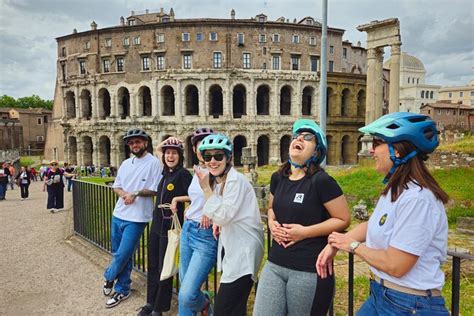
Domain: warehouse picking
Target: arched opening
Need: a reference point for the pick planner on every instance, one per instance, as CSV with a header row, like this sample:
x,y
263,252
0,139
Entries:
x,y
307,101
87,150
167,95
216,106
124,103
239,101
285,100
239,143
329,101
192,100
104,103
190,157
104,151
263,100
144,101
330,150
345,150
70,105
361,103
345,99
86,104
285,148
72,142
263,150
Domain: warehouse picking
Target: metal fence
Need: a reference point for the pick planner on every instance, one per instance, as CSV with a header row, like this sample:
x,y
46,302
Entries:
x,y
93,205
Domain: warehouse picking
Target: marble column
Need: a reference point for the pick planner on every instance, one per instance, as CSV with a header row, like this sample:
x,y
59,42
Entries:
x,y
378,83
394,101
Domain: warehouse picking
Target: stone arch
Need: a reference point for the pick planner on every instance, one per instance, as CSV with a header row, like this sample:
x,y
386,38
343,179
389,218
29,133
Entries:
x,y
345,101
361,103
190,157
87,150
86,104
216,101
168,104
329,101
144,101
239,101
70,105
239,143
104,103
345,150
263,100
191,94
104,151
263,150
285,100
285,142
72,144
330,150
124,103
307,100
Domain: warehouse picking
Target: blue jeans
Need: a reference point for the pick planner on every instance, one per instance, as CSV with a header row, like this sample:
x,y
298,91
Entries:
x,y
385,301
198,254
3,190
69,184
125,238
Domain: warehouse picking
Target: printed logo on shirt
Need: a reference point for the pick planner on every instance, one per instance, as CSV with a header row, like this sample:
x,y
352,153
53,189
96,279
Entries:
x,y
143,180
170,187
383,219
299,197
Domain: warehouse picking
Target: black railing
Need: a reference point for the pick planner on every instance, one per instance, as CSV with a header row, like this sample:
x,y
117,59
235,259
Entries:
x,y
93,205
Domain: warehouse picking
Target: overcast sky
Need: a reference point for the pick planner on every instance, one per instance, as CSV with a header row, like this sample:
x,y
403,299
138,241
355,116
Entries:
x,y
439,32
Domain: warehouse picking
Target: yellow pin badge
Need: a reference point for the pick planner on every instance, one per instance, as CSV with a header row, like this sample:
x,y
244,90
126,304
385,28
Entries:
x,y
170,187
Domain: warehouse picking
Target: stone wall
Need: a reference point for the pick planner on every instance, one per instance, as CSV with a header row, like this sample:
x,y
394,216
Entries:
x,y
442,159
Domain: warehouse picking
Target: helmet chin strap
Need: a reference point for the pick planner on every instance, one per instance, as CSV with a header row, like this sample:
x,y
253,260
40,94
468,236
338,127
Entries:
x,y
397,161
307,163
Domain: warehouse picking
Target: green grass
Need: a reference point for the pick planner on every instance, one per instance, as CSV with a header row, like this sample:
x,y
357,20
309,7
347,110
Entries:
x,y
26,161
465,145
98,180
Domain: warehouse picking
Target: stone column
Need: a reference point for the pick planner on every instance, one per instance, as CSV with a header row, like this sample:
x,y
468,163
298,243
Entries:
x,y
95,151
394,101
274,102
155,105
227,101
250,100
374,103
133,105
203,101
178,100
297,101
379,83
77,103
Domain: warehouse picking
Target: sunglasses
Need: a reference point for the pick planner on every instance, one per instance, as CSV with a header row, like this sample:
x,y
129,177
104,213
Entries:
x,y
306,137
54,164
377,142
217,157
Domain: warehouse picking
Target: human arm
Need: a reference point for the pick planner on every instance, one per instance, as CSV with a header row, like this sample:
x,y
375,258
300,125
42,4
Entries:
x,y
129,197
159,149
275,227
178,199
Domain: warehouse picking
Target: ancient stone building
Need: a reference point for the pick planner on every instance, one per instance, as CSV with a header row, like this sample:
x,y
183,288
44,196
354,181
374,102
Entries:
x,y
249,78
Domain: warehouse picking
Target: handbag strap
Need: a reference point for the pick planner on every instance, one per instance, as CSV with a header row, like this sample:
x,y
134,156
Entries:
x,y
176,225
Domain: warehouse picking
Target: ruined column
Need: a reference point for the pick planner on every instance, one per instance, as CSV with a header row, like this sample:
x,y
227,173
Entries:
x,y
378,83
370,96
394,101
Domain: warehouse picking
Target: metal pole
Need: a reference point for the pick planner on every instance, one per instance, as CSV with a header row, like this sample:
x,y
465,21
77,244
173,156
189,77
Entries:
x,y
323,73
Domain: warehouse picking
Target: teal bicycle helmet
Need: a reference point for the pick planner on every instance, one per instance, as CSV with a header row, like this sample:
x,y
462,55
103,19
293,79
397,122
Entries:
x,y
216,142
310,126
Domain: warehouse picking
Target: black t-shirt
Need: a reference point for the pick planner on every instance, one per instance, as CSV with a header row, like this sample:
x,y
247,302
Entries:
x,y
172,184
301,202
6,173
69,170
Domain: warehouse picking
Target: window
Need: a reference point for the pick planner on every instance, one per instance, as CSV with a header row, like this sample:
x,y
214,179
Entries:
x,y
45,120
213,36
344,53
199,37
262,38
160,62
217,60
246,60
462,124
126,41
187,61
185,37
450,95
131,22
431,95
461,94
120,64
165,19
447,112
295,38
276,38
63,69
136,40
160,38
40,138
276,62
82,67
422,94
261,19
39,121
312,41
417,80
295,62
108,42
240,39
264,66
87,45
429,111
472,93
439,111
106,65
63,51
314,61
145,63
331,66
264,50
408,79
331,49
454,112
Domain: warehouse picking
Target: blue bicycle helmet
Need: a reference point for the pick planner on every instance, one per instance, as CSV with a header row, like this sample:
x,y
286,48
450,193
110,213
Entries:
x,y
310,126
216,142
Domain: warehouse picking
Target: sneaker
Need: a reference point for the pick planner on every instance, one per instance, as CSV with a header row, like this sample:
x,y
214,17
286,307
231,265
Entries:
x,y
116,299
145,310
22,199
108,287
53,210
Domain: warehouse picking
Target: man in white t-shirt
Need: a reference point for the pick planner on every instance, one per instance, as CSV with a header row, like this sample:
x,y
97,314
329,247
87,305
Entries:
x,y
136,184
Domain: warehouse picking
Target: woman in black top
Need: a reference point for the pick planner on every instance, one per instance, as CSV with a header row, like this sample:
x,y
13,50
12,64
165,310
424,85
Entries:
x,y
55,187
306,204
23,180
175,182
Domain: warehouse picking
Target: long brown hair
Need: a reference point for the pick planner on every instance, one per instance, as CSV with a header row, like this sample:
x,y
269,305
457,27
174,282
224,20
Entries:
x,y
413,171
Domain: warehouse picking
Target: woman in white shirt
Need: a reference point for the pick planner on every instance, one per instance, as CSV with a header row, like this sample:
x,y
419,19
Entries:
x,y
232,205
406,236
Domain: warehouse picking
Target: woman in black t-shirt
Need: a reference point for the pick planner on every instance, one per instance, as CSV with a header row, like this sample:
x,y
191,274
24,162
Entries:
x,y
175,182
55,187
306,205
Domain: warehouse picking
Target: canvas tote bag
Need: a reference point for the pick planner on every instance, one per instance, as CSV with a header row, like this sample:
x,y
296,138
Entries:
x,y
171,260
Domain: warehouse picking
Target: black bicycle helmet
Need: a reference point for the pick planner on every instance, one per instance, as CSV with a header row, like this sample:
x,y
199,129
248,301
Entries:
x,y
135,132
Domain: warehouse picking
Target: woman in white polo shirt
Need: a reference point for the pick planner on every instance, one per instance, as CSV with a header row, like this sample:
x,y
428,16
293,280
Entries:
x,y
406,236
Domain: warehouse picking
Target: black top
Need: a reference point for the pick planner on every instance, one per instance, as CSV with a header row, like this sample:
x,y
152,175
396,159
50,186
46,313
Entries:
x,y
301,202
6,173
172,184
56,175
69,170
22,177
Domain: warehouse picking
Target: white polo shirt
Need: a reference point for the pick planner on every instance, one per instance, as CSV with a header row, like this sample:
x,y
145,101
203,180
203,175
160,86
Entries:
x,y
415,223
133,175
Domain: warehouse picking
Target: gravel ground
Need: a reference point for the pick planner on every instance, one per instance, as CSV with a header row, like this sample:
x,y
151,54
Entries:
x,y
45,270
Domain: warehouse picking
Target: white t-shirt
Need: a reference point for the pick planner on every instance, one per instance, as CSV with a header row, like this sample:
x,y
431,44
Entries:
x,y
133,175
415,223
194,212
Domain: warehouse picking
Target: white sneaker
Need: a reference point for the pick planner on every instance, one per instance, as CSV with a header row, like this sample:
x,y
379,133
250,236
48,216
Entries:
x,y
53,210
116,299
22,199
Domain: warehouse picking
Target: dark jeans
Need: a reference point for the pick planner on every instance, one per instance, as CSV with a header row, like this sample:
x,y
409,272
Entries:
x,y
69,184
3,190
24,190
323,297
55,197
231,300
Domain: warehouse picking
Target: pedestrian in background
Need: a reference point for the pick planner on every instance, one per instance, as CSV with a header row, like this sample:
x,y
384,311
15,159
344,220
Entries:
x,y
53,180
23,180
4,176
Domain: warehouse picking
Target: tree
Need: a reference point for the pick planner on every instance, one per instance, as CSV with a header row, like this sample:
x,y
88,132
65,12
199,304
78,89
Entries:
x,y
33,101
7,101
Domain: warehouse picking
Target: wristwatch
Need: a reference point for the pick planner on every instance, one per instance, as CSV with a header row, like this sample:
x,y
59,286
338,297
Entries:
x,y
353,246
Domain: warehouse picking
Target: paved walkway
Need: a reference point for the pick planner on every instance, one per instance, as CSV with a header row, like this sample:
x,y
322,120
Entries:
x,y
45,271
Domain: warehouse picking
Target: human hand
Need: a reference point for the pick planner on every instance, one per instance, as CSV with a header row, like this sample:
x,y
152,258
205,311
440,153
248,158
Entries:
x,y
205,222
128,198
293,233
215,231
174,205
340,241
324,263
203,178
277,233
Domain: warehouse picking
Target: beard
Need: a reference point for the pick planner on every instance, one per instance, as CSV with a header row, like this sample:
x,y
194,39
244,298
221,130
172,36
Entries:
x,y
139,153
